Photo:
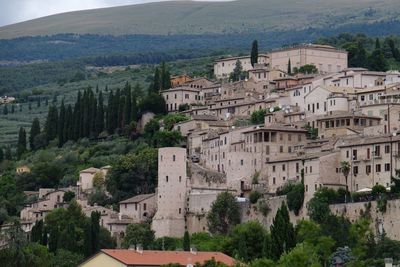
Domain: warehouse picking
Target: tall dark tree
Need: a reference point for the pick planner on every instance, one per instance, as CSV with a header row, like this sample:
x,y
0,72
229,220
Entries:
x,y
283,235
95,231
8,154
53,239
110,114
165,77
21,147
12,109
128,104
5,110
51,128
156,81
1,154
186,241
37,232
69,124
254,53
377,61
377,44
35,130
61,125
100,114
289,67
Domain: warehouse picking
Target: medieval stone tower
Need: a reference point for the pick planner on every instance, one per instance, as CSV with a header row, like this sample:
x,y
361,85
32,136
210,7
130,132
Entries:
x,y
169,219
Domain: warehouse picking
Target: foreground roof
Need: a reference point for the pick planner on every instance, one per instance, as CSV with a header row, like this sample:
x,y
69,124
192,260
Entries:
x,y
157,258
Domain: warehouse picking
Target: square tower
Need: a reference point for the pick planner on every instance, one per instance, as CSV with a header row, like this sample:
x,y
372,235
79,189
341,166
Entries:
x,y
169,219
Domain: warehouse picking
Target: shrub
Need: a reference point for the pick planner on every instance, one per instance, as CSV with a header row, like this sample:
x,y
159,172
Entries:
x,y
263,207
254,196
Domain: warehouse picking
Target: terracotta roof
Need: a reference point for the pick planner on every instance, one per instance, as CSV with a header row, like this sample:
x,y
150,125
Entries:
x,y
137,199
157,258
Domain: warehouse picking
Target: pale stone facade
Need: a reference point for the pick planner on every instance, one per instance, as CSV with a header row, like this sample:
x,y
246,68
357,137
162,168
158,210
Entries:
x,y
169,219
326,58
224,67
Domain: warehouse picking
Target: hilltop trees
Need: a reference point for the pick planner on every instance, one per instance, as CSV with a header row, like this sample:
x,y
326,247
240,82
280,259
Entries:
x,y
161,80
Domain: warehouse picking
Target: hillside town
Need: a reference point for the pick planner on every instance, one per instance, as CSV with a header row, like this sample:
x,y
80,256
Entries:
x,y
298,115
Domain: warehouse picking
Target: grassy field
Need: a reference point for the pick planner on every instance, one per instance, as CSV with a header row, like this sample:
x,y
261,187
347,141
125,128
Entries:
x,y
10,123
189,17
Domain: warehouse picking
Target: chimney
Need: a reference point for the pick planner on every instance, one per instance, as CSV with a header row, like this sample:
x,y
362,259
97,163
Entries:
x,y
388,262
193,250
139,248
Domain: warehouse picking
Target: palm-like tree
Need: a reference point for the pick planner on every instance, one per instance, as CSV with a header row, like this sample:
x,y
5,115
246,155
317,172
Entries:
x,y
345,168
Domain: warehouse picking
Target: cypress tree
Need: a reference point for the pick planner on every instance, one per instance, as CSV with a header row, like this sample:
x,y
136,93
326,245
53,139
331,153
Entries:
x,y
289,67
87,240
135,95
53,240
100,115
61,125
69,124
110,113
37,232
38,102
21,147
156,81
77,118
8,155
377,44
51,128
128,104
97,88
1,154
254,53
165,77
5,110
44,237
186,241
12,109
282,233
35,130
95,230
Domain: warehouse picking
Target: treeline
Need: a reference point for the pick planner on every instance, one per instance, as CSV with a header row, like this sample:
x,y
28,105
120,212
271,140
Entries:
x,y
379,54
89,117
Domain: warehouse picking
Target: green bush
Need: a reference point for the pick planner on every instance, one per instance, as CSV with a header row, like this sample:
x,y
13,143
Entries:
x,y
254,197
263,207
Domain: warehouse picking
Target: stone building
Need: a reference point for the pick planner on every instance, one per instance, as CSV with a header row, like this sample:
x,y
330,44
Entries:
x,y
224,67
169,219
326,58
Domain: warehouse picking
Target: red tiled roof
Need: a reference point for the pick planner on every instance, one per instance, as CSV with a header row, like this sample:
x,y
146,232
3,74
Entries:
x,y
157,258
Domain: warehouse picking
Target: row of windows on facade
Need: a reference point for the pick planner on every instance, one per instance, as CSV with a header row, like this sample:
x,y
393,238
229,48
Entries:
x,y
187,96
167,179
173,158
376,152
250,150
368,169
346,122
269,137
136,206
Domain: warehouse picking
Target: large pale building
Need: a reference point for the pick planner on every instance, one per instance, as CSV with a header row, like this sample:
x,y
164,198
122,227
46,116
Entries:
x,y
224,67
326,58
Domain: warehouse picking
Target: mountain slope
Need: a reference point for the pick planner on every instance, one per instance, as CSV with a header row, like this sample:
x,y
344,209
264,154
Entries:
x,y
186,17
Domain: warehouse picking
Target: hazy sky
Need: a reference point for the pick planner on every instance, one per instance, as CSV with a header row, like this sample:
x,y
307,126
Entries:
x,y
12,11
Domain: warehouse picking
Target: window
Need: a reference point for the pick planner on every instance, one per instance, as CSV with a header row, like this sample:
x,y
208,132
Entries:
x,y
289,137
135,206
347,154
306,187
378,168
283,167
144,206
173,157
180,210
355,170
274,180
387,149
368,169
281,149
377,151
387,167
186,96
363,98
241,162
368,153
166,178
297,167
355,154
273,168
310,169
180,178
267,150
